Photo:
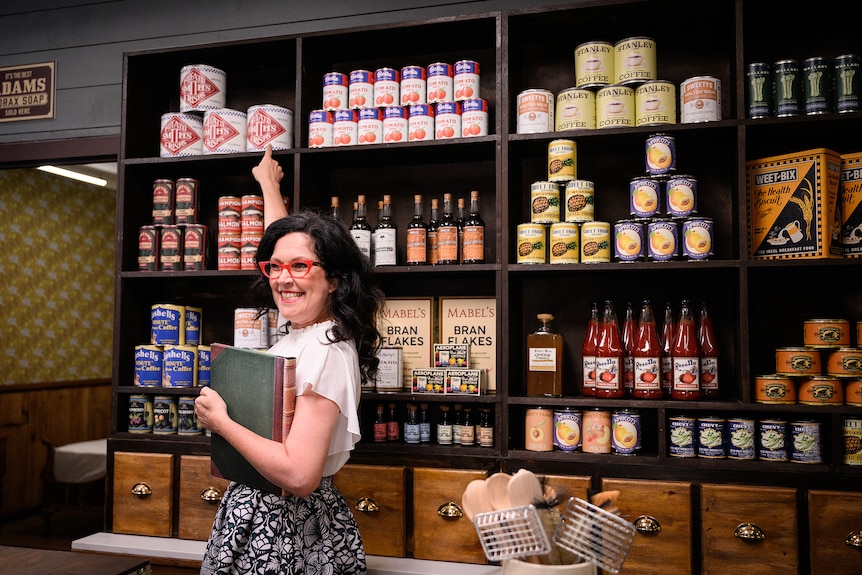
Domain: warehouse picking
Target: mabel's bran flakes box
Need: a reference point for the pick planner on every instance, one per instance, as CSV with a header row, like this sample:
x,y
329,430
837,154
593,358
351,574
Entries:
x,y
850,205
791,205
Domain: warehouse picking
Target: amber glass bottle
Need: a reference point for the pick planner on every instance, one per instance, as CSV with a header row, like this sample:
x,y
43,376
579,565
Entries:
x,y
647,357
474,233
379,425
609,356
433,224
686,357
417,235
708,355
545,360
447,235
588,352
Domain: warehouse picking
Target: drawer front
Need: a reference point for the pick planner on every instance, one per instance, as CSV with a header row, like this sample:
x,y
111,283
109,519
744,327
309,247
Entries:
x,y
377,497
665,505
565,487
200,495
771,509
437,537
833,516
143,515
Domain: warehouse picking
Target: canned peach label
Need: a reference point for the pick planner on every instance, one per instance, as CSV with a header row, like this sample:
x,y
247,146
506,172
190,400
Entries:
x,y
660,154
360,90
634,60
681,196
655,103
269,125
594,64
531,244
181,135
575,110
535,111
615,107
644,197
440,83
202,88
413,85
580,201
628,241
370,126
447,121
474,118
395,124
700,100
335,90
420,123
697,238
225,131
544,202
597,431
387,87
345,128
662,240
563,243
466,80
595,242
320,128
539,429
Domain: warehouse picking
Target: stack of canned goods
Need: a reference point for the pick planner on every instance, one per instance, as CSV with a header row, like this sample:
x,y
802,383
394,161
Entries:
x,y
819,85
175,241
593,430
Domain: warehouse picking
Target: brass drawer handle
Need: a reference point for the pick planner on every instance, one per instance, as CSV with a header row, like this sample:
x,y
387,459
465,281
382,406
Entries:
x,y
449,510
141,490
367,505
647,524
211,495
749,532
854,540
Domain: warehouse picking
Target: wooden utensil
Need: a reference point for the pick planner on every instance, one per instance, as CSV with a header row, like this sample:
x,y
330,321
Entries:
x,y
475,499
497,486
525,488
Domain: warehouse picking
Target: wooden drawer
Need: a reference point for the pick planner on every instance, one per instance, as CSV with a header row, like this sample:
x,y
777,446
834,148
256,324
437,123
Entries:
x,y
145,514
437,537
668,503
832,517
200,495
772,510
377,497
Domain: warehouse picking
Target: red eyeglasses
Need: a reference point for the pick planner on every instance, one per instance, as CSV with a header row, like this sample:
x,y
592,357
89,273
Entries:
x,y
297,269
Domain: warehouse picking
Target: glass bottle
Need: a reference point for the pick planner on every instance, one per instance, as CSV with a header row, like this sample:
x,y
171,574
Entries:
x,y
629,334
708,355
588,352
609,356
460,218
468,430
686,357
333,208
385,236
456,424
444,427
393,427
433,224
411,425
379,425
485,429
417,235
647,357
447,235
360,230
545,360
424,424
474,233
668,331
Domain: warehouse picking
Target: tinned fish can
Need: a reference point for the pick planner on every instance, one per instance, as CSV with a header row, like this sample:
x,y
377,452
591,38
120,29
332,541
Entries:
x,y
853,392
615,107
580,201
181,135
539,429
395,124
164,415
204,365
167,324
681,435
567,429
660,154
345,128
420,122
845,73
441,83
774,389
544,202
140,414
594,64
474,118
228,250
202,87
414,82
629,241
797,361
575,110
644,196
535,111
711,433
466,80
369,129
805,444
225,131
531,244
817,85
170,249
821,390
655,103
194,324
597,431
360,89
635,60
186,202
387,87
562,161
595,242
826,333
700,100
662,240
180,366
269,125
251,213
845,362
250,329
321,124
697,235
447,120
187,418
758,90
163,202
148,248
772,440
852,435
626,432
335,90
148,365
786,88
248,244
563,243
740,438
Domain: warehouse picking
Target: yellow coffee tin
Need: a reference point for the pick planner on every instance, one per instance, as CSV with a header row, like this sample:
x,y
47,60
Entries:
x,y
575,110
615,107
531,244
594,64
655,103
634,60
563,243
595,242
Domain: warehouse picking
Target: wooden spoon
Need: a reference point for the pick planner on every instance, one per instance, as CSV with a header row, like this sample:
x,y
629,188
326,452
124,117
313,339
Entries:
x,y
525,489
475,499
498,490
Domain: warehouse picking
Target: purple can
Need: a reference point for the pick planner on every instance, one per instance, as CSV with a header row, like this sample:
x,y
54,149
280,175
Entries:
x,y
681,436
626,432
644,197
628,241
697,238
772,440
740,438
567,429
660,154
663,244
681,196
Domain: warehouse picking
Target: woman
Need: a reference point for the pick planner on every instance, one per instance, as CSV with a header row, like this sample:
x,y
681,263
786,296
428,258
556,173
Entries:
x,y
320,282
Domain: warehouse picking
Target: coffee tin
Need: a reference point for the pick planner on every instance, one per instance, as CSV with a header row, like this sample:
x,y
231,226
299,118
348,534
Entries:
x,y
440,83
148,248
562,161
163,202
797,361
186,201
580,201
774,389
204,365
845,362
474,118
335,91
634,60
595,242
786,88
164,415
681,436
395,124
758,90
597,431
167,324
662,240
544,202
655,103
140,414
387,87
772,440
817,85
180,366
826,333
626,432
594,64
466,80
194,324
539,429
148,365
711,433
852,434
181,135
447,120
700,100
805,444
629,241
420,123
681,196
269,125
535,111
845,73
369,128
531,244
320,127
170,249
567,429
414,85
697,238
202,87
345,128
360,89
853,392
563,243
740,438
615,107
644,196
187,419
660,154
821,390
575,110
225,131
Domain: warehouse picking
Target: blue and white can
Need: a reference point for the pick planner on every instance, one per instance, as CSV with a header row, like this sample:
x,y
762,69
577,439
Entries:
x,y
167,324
697,238
772,440
194,322
360,90
474,118
420,123
204,364
148,365
663,240
320,127
681,436
681,196
711,432
180,366
447,120
395,124
740,438
387,87
626,432
567,429
629,241
335,90
413,85
660,154
644,197
805,444
466,80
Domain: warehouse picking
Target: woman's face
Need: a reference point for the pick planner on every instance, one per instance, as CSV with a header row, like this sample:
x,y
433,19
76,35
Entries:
x,y
303,301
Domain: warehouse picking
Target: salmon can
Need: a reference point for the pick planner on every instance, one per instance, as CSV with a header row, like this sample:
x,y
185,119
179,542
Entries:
x,y
148,248
251,213
700,100
562,161
181,135
321,124
360,89
230,214
345,128
580,201
629,241
441,83
163,202
772,440
567,429
167,324
662,240
655,103
420,123
148,365
615,107
474,118
414,82
194,322
140,414
539,429
711,433
228,251
466,80
387,87
644,196
820,390
797,361
186,203
845,362
575,110
774,389
170,249
335,90
697,233
634,60
370,126
195,247
681,196
852,435
531,244
853,392
269,125
248,244
740,438
202,88
826,333
447,120
563,243
595,242
395,124
180,366
187,419
164,415
805,444
535,111
597,431
681,436
204,365
660,154
225,131
594,64
544,202
626,432
250,329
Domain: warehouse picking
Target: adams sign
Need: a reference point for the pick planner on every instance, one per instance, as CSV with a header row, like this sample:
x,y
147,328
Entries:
x,y
27,92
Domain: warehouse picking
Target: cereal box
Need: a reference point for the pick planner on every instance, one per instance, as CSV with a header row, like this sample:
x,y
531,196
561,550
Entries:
x,y
464,381
430,380
791,205
408,323
850,204
447,355
472,321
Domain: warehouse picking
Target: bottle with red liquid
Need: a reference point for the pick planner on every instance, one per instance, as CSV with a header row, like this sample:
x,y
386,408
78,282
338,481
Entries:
x,y
609,356
630,327
686,357
668,331
708,355
647,357
588,351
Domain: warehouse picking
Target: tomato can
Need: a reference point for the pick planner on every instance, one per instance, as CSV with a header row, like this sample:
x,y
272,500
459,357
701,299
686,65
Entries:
x,y
826,333
474,118
853,392
562,161
170,249
740,438
563,243
544,202
466,80
615,107
629,241
414,81
711,433
594,64
845,362
140,414
360,89
228,251
204,365
697,238
181,135
447,120
195,247
441,83
700,100
202,87
786,88
179,368
225,131
149,360
335,91
660,154
845,71
662,240
575,110
186,201
395,124
797,361
774,389
163,202
167,324
644,196
164,415
595,242
655,103
148,248
539,429
269,125
821,390
817,85
758,90
345,128
804,441
531,244
597,431
772,440
320,128
567,429
580,201
852,434
420,122
369,129
681,196
187,418
681,436
626,432
387,87
535,111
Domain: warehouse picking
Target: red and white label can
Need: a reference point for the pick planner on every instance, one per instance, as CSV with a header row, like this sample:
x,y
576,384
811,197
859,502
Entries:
x,y
225,131
163,202
194,247
229,215
474,118
413,85
395,124
447,121
229,251
202,88
370,127
248,243
335,90
441,83
251,219
181,135
361,89
269,125
186,202
320,128
387,87
466,80
170,249
345,128
421,123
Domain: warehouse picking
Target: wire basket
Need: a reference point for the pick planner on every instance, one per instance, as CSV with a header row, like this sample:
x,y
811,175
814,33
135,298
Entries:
x,y
512,533
595,535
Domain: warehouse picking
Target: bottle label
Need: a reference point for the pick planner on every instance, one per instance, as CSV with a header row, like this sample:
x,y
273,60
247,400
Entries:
x,y
393,431
384,247
379,432
686,373
608,373
647,373
411,432
474,243
424,432
447,243
542,359
709,373
363,241
456,433
444,434
486,436
468,435
589,371
416,246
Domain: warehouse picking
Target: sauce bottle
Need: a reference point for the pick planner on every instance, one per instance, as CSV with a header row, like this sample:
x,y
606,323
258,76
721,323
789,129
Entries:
x,y
647,357
708,355
456,424
468,429
379,425
668,331
474,233
629,333
545,360
485,429
393,427
424,424
411,425
609,356
444,427
686,357
447,235
588,352
417,235
433,224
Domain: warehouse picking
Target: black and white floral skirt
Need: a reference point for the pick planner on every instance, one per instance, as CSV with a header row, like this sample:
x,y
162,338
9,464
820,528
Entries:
x,y
260,533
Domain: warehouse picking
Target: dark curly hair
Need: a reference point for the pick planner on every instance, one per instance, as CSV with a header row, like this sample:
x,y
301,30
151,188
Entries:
x,y
356,302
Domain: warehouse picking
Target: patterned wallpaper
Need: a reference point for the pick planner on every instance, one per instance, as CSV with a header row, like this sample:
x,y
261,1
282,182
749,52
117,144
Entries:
x,y
56,278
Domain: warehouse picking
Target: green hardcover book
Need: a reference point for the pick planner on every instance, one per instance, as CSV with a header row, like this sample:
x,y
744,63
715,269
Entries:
x,y
260,391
